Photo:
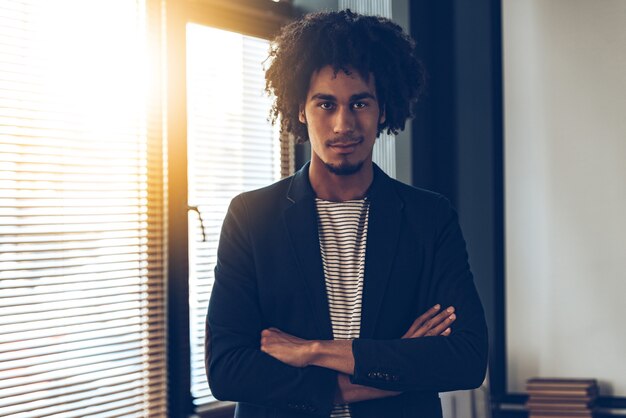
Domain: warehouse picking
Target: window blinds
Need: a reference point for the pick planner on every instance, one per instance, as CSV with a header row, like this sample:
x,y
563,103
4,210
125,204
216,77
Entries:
x,y
231,148
81,218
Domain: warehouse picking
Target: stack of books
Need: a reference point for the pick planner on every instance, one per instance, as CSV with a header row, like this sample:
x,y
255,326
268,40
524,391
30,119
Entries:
x,y
561,398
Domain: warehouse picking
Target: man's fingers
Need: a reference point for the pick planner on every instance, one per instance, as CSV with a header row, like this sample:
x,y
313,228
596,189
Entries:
x,y
421,320
439,318
433,326
442,327
439,323
271,331
268,336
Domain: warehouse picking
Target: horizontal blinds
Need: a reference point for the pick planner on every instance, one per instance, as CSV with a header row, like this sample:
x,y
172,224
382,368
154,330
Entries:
x,y
81,212
287,155
231,148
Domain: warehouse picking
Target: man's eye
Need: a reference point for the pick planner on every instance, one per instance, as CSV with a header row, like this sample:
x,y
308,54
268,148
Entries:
x,y
359,105
326,105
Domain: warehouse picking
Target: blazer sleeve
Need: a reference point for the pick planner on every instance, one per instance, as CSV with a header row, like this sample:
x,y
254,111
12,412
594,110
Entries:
x,y
237,369
455,362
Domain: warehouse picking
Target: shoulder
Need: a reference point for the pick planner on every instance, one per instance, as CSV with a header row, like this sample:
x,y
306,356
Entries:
x,y
268,193
263,201
388,189
424,210
416,194
419,198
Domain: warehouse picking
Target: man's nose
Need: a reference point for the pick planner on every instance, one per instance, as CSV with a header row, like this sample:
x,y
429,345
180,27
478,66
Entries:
x,y
344,121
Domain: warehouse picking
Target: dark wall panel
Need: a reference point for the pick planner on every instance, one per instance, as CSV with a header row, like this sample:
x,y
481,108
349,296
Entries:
x,y
457,137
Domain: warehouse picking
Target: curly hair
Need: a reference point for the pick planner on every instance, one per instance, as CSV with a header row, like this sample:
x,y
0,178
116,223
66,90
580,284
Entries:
x,y
346,41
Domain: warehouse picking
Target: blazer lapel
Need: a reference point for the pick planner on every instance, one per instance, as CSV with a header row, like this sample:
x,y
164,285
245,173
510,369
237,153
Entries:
x,y
382,241
301,221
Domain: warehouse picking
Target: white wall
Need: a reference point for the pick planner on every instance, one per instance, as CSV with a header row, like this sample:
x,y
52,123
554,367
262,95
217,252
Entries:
x,y
565,168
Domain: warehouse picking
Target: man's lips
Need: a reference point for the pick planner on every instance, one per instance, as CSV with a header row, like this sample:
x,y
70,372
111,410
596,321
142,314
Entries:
x,y
345,145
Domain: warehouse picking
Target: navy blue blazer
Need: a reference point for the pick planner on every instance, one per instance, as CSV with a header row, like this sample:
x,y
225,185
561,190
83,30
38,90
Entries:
x,y
269,274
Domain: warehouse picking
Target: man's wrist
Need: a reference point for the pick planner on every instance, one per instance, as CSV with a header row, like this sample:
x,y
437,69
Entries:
x,y
331,354
348,392
317,350
343,383
313,352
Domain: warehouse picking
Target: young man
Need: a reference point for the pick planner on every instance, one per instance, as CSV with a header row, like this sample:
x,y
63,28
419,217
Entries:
x,y
340,291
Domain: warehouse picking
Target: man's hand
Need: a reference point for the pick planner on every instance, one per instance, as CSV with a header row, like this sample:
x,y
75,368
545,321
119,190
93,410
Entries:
x,y
286,348
432,323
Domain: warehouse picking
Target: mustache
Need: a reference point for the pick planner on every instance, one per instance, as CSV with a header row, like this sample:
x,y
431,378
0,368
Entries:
x,y
344,140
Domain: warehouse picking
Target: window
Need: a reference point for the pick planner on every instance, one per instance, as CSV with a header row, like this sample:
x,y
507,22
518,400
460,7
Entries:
x,y
82,317
231,148
219,144
101,153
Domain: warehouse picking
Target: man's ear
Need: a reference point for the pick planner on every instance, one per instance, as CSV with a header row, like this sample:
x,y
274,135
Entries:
x,y
301,115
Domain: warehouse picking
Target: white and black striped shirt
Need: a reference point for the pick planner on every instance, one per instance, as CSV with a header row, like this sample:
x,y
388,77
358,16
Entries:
x,y
342,230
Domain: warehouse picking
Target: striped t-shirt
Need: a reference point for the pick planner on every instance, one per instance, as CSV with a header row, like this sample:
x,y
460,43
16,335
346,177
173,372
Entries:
x,y
342,230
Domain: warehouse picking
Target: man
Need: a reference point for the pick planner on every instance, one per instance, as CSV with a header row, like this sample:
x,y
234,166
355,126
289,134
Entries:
x,y
340,291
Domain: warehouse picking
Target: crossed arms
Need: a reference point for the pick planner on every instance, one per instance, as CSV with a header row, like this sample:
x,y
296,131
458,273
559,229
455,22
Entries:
x,y
337,354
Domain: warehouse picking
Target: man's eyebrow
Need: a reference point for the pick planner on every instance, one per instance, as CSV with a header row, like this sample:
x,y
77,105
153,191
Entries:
x,y
322,96
361,96
353,98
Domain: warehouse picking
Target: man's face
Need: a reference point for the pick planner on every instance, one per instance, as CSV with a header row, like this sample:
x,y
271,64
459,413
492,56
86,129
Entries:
x,y
342,116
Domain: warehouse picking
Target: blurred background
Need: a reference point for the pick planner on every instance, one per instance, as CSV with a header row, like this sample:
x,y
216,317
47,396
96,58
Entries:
x,y
126,126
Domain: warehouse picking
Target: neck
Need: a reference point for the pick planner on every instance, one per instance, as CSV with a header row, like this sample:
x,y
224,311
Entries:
x,y
333,187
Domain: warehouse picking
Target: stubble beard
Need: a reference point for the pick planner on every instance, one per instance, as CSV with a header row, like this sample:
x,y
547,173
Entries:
x,y
344,169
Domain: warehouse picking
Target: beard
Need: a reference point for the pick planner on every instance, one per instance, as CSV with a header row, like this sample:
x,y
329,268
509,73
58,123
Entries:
x,y
344,169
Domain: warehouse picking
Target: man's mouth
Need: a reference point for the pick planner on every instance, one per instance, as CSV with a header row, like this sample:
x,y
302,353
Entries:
x,y
346,145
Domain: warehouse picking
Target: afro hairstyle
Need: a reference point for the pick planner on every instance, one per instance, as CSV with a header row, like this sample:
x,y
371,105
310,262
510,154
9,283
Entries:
x,y
348,42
